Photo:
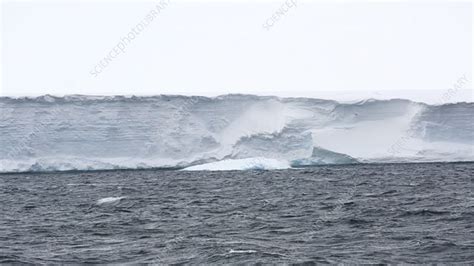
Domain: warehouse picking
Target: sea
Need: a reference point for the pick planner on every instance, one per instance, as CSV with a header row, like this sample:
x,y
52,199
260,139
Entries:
x,y
361,213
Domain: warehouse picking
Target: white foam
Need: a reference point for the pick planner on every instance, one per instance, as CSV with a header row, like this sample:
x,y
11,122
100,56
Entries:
x,y
257,163
242,251
109,200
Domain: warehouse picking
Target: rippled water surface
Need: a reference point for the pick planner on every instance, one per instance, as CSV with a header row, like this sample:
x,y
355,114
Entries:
x,y
414,213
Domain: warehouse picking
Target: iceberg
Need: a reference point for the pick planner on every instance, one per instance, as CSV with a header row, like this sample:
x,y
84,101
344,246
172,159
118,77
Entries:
x,y
78,132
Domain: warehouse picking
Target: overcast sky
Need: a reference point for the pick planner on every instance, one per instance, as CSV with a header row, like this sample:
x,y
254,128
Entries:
x,y
212,48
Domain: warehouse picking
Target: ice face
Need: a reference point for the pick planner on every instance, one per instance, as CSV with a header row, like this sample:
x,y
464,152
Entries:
x,y
84,132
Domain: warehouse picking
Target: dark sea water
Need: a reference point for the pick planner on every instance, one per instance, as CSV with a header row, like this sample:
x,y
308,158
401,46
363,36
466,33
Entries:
x,y
412,213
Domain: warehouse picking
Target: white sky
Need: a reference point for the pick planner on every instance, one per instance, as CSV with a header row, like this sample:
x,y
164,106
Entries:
x,y
212,48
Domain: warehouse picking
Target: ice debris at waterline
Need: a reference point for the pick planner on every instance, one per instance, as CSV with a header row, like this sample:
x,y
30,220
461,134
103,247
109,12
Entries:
x,y
258,163
92,133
